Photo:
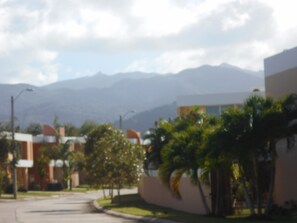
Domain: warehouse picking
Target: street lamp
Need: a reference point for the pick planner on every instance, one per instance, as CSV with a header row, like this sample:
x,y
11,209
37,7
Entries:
x,y
14,155
123,116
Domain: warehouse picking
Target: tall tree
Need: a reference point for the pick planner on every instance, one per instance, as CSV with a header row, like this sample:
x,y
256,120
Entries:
x,y
71,130
111,159
250,136
4,151
280,123
87,127
158,137
42,162
218,161
34,129
182,153
72,161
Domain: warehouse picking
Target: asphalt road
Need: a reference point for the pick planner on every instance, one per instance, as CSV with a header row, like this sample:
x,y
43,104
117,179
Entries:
x,y
71,208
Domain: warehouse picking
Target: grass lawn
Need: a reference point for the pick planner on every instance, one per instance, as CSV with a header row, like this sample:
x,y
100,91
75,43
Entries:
x,y
77,189
38,193
133,204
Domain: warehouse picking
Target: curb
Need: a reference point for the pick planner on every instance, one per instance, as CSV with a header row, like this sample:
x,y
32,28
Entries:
x,y
129,216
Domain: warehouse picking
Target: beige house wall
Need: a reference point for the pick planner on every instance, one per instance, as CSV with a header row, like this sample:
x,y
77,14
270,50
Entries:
x,y
281,80
281,84
154,192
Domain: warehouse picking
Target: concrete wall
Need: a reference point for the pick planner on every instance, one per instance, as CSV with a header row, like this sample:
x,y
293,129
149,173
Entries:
x,y
286,176
154,192
282,83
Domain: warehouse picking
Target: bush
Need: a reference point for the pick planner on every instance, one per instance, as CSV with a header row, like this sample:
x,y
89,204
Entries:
x,y
22,189
9,189
54,186
34,186
4,182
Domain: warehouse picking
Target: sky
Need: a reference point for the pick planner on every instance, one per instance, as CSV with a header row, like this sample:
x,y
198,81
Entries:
x,y
44,41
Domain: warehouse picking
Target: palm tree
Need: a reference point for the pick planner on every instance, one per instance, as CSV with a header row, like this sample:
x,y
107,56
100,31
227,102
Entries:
x,y
158,137
72,161
231,139
181,154
280,122
218,160
251,136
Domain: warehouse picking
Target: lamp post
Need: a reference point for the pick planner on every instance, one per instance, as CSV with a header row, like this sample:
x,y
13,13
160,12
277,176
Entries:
x,y
14,153
123,116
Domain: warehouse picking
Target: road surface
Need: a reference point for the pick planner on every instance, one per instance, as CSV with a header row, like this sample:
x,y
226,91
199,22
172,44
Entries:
x,y
69,209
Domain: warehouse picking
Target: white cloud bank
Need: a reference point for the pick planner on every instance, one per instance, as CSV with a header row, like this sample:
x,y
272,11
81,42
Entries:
x,y
179,34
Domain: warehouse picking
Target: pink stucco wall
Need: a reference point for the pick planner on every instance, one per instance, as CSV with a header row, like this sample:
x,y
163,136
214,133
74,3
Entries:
x,y
154,192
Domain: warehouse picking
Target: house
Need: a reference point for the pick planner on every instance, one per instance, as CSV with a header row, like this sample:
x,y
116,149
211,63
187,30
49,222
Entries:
x,y
281,80
29,150
133,136
24,145
51,138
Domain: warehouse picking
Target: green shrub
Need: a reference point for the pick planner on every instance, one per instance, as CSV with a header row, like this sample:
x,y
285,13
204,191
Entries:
x,y
9,189
34,186
4,182
54,186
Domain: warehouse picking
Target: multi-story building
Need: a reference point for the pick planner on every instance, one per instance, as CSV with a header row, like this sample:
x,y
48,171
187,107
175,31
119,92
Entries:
x,y
281,80
281,73
29,150
213,104
24,145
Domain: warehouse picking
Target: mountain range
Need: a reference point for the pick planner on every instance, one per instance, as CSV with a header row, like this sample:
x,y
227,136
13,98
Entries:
x,y
103,98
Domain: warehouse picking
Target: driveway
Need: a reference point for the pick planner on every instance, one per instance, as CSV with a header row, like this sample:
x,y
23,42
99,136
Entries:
x,y
70,208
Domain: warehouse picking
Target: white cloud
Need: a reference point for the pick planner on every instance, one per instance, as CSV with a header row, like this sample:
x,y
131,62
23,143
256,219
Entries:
x,y
159,18
169,62
244,55
37,67
238,20
44,74
180,34
284,13
104,24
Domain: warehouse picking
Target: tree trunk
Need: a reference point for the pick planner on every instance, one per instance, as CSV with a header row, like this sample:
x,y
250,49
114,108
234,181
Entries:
x,y
104,194
223,191
204,202
247,197
256,186
218,210
272,179
227,192
111,191
70,183
213,183
119,194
